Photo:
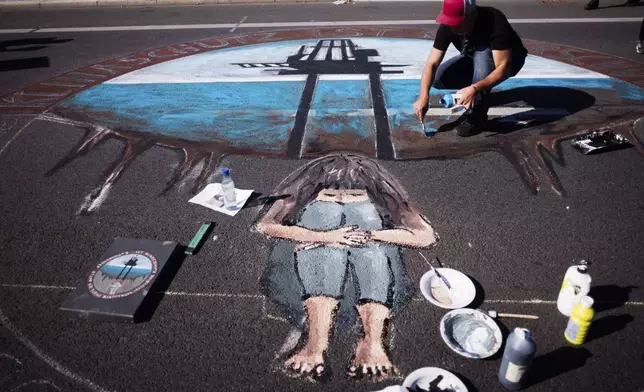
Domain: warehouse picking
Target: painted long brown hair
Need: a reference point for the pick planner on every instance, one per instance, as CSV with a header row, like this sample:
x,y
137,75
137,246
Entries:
x,y
345,171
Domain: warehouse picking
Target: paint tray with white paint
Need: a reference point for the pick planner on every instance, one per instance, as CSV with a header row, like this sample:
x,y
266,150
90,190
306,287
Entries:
x,y
600,141
461,293
211,197
471,333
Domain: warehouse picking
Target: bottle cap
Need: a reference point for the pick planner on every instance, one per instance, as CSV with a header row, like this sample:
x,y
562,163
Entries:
x,y
522,333
225,171
447,101
587,302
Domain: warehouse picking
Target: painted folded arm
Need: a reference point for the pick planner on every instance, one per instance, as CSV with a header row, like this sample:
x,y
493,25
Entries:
x,y
272,226
416,233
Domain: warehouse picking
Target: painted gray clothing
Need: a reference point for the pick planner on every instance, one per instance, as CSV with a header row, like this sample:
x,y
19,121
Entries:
x,y
323,270
282,285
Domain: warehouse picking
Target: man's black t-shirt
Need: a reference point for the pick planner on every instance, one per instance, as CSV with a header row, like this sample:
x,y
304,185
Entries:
x,y
491,28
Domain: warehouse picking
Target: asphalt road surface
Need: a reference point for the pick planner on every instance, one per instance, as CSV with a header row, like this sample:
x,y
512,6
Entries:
x,y
500,219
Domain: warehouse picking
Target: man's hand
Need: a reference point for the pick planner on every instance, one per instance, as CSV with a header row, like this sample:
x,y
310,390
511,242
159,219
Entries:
x,y
468,95
420,107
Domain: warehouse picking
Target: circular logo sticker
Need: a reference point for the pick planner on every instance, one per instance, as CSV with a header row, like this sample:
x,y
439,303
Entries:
x,y
122,275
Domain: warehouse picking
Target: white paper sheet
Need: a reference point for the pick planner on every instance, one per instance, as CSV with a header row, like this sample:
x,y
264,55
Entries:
x,y
206,198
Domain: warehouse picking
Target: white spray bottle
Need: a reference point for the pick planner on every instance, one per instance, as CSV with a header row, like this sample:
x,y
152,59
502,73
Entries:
x,y
576,285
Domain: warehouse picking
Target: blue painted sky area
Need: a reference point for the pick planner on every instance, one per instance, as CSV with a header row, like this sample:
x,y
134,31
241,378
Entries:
x,y
113,271
261,114
341,94
244,113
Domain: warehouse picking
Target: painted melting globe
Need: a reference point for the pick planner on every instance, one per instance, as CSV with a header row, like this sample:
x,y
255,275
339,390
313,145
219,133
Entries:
x,y
306,98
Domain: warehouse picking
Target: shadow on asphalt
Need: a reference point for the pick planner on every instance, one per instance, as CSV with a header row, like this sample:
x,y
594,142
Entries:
x,y
608,325
18,64
610,296
161,284
255,200
550,104
468,384
556,363
27,45
480,294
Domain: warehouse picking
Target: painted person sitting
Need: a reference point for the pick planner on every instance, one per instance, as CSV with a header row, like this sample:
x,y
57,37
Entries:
x,y
491,52
336,249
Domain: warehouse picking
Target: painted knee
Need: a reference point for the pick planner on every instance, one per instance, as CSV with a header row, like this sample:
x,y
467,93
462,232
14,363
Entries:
x,y
322,271
373,274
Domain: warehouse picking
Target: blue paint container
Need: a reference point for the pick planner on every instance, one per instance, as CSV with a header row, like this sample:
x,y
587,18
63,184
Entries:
x,y
449,100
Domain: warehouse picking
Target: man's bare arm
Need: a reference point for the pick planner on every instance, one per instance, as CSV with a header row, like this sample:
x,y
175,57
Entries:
x,y
433,61
501,71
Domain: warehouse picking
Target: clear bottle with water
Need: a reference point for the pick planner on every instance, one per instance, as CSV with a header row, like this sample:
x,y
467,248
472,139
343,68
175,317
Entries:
x,y
228,189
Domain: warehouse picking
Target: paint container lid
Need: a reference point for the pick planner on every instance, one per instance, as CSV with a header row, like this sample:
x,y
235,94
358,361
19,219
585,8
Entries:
x,y
587,302
522,333
447,100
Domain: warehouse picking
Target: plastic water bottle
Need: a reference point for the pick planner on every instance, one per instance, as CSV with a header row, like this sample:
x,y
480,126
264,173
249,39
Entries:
x,y
580,320
576,284
519,352
228,189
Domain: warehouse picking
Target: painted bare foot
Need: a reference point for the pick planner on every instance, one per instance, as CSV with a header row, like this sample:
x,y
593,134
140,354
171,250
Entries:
x,y
306,362
371,360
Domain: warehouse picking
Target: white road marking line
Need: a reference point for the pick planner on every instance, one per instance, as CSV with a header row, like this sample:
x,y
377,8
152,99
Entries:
x,y
15,31
238,24
35,286
348,23
4,321
15,135
534,301
213,295
523,302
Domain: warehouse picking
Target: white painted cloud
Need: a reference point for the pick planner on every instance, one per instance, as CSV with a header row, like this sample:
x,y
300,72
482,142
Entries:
x,y
222,65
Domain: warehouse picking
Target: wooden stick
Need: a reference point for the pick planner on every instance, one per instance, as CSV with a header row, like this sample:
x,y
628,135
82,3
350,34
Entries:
x,y
521,316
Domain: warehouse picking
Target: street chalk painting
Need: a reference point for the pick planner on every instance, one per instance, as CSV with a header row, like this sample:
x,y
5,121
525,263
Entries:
x,y
336,255
307,93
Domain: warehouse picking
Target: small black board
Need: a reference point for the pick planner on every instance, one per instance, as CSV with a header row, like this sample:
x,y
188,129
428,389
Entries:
x,y
116,287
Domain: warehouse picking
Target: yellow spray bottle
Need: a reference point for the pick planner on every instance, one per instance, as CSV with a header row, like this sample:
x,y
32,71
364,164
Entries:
x,y
580,320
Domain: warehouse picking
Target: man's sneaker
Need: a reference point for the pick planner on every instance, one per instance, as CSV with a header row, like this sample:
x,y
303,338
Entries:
x,y
640,47
592,5
471,124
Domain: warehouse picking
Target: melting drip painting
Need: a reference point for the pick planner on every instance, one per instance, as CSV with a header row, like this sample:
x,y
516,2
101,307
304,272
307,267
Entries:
x,y
304,98
336,249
